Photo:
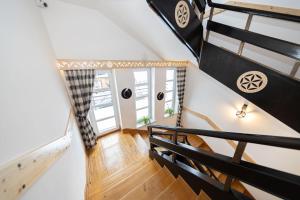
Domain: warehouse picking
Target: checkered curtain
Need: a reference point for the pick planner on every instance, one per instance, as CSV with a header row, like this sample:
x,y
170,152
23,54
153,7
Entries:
x,y
181,72
81,83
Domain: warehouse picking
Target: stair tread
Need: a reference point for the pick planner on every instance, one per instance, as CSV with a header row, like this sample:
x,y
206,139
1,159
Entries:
x,y
195,140
178,190
124,173
203,196
145,137
140,142
222,178
205,147
121,188
117,152
151,187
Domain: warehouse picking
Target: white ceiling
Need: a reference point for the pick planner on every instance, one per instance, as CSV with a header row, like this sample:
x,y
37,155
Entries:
x,y
137,19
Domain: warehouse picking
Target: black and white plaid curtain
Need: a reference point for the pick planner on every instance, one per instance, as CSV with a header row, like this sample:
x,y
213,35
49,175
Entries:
x,y
81,83
181,72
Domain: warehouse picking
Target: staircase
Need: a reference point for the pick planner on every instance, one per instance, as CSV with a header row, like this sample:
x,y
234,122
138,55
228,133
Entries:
x,y
140,178
120,168
201,168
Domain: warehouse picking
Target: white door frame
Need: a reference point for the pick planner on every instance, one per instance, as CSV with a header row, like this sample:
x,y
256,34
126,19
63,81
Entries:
x,y
114,104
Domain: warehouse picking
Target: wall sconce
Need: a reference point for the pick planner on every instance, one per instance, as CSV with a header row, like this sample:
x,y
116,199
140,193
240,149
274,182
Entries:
x,y
242,113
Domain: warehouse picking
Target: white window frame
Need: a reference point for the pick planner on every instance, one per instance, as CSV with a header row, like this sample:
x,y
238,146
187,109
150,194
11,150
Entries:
x,y
149,80
174,90
113,104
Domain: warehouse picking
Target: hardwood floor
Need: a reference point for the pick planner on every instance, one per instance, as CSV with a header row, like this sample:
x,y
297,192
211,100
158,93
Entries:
x,y
114,153
119,168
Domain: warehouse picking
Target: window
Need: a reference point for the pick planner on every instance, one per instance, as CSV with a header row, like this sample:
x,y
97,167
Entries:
x,y
142,80
103,107
170,92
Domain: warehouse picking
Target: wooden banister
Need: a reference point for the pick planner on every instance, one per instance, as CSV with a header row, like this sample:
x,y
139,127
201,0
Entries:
x,y
217,128
19,174
268,8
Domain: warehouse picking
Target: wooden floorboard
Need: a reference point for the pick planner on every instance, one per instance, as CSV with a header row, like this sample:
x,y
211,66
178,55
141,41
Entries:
x,y
115,153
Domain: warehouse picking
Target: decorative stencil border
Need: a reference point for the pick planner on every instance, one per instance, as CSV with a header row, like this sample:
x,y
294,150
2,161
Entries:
x,y
117,64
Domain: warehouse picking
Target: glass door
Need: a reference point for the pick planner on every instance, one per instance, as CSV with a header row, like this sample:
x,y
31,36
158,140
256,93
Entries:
x,y
103,113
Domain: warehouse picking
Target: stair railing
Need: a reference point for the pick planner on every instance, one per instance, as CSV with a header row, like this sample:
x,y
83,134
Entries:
x,y
276,182
252,11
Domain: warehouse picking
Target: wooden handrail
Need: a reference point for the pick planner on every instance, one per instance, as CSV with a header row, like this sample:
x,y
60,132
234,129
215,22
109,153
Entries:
x,y
276,141
18,175
268,8
273,181
260,10
217,128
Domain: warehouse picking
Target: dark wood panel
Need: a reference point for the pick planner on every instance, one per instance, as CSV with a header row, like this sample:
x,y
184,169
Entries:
x,y
276,141
196,179
273,44
191,35
278,183
280,97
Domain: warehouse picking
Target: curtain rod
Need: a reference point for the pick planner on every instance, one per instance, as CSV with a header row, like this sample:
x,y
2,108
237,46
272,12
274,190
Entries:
x,y
118,64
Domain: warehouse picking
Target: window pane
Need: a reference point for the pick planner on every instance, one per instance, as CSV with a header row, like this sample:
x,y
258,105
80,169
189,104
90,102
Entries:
x,y
101,113
169,96
102,98
168,104
169,85
106,124
142,113
170,74
101,81
142,103
141,91
141,77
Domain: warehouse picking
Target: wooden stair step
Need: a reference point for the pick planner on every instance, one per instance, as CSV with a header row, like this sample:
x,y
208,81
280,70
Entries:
x,y
216,173
141,143
151,187
238,186
146,138
108,181
178,190
117,152
205,147
203,196
118,190
222,178
195,140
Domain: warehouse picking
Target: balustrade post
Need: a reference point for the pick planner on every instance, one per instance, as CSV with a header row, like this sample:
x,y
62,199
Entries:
x,y
242,44
211,13
150,133
175,142
238,154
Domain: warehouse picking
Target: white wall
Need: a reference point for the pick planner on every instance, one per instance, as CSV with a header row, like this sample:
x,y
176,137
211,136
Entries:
x,y
159,80
34,106
207,96
82,33
125,79
66,179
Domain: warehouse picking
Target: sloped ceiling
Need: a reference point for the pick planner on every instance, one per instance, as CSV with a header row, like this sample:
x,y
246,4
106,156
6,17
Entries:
x,y
137,19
